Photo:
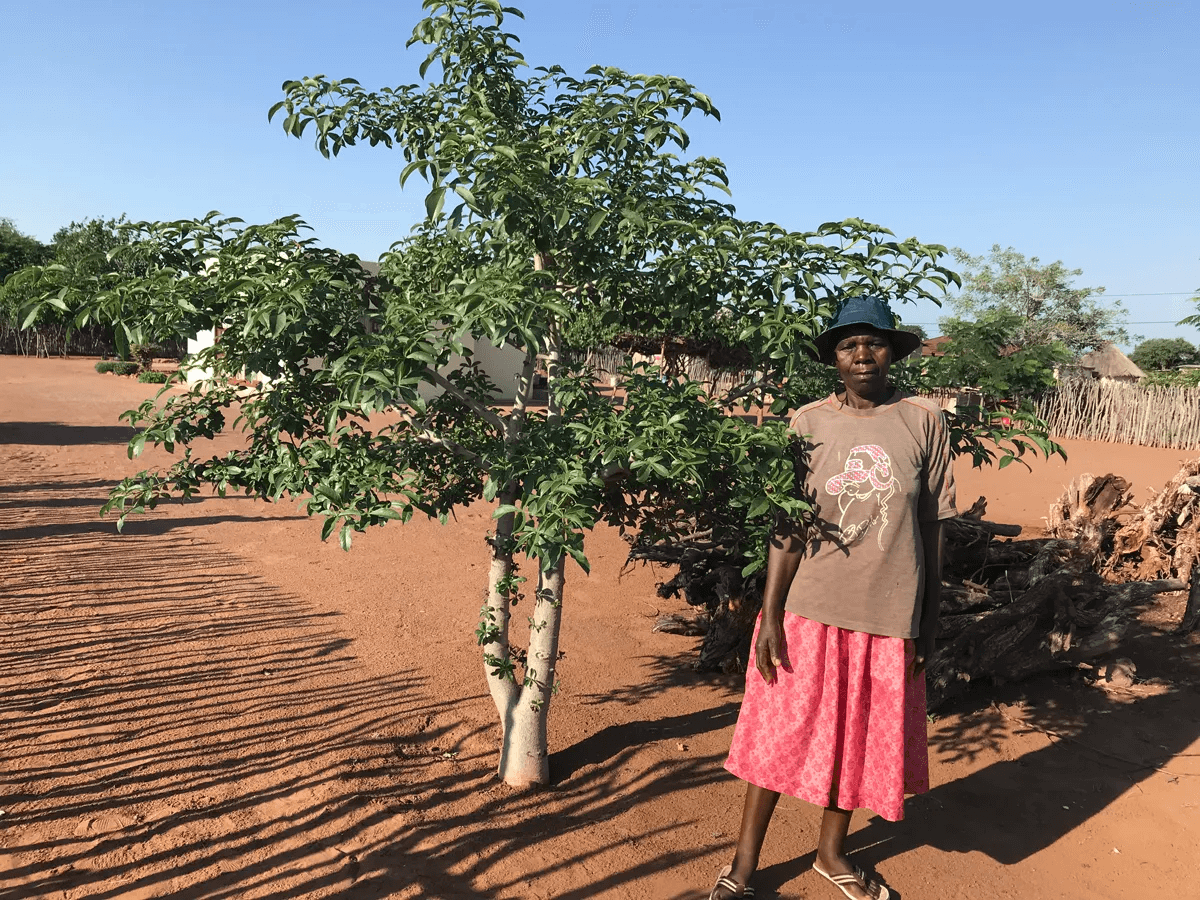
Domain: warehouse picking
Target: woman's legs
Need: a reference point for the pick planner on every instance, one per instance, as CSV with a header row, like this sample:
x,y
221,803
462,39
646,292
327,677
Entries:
x,y
756,816
831,847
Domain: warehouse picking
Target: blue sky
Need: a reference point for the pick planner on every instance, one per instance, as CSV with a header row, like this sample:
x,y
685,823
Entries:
x,y
1067,130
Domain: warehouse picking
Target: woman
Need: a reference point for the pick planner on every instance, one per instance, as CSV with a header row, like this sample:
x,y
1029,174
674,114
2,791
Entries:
x,y
834,710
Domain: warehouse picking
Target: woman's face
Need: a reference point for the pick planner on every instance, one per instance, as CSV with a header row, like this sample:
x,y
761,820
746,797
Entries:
x,y
863,356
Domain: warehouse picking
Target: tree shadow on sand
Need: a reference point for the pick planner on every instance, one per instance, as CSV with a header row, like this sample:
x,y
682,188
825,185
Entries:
x,y
178,727
658,676
59,434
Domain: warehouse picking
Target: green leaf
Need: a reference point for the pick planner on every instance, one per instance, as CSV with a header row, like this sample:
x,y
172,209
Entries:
x,y
577,555
422,164
465,193
596,221
434,201
328,526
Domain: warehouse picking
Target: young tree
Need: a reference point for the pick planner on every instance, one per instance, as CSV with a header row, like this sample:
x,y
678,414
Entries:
x,y
550,198
1159,354
1042,296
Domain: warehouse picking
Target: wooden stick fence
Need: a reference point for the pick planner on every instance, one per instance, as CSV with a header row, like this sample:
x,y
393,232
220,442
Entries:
x,y
54,340
1123,413
606,362
58,340
1085,408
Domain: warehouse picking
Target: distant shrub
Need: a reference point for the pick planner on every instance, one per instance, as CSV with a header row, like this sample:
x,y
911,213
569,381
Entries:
x,y
105,365
154,377
123,367
1172,378
144,354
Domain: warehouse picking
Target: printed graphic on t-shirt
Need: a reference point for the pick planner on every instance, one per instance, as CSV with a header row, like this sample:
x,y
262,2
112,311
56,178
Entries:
x,y
863,489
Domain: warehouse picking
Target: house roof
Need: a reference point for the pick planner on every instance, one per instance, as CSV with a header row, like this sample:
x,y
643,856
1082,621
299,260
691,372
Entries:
x,y
935,346
1110,362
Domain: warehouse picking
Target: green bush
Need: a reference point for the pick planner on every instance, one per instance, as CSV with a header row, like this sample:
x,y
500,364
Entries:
x,y
154,377
1172,378
105,365
123,367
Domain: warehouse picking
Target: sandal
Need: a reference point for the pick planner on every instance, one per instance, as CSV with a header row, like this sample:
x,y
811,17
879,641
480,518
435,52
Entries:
x,y
875,889
727,883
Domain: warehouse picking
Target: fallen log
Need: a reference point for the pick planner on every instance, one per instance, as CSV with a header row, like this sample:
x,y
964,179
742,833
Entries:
x,y
1087,511
1010,608
969,542
1068,616
1191,612
1160,540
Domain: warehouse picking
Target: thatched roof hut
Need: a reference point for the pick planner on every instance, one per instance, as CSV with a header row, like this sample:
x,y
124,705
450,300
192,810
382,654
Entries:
x,y
1108,362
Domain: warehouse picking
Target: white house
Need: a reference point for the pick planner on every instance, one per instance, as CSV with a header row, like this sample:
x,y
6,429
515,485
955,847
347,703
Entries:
x,y
502,365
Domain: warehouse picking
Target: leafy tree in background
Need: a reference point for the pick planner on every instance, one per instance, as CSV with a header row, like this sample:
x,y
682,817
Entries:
x,y
915,329
88,248
1050,310
552,201
987,355
18,250
1158,354
82,259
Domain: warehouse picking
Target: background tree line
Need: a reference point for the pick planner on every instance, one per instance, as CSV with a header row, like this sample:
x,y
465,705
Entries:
x,y
82,255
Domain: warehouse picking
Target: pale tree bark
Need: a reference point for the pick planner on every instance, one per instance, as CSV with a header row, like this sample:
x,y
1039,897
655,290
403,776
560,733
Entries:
x,y
524,709
496,613
497,609
524,755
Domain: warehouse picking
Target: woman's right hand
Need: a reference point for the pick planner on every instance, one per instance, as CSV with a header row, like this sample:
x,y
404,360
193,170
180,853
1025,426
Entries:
x,y
770,650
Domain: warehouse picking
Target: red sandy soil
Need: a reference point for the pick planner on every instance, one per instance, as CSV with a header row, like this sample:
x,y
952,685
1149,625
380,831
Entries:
x,y
216,704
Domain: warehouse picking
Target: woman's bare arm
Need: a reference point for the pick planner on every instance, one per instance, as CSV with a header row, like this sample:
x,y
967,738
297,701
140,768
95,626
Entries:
x,y
783,558
934,549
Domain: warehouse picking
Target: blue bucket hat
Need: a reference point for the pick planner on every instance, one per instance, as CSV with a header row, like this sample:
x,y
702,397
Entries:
x,y
865,311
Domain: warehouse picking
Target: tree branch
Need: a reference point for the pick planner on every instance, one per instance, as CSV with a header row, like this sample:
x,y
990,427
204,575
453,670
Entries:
x,y
488,415
516,421
745,390
432,437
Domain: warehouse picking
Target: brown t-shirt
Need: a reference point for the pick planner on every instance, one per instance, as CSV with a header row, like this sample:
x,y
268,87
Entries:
x,y
875,475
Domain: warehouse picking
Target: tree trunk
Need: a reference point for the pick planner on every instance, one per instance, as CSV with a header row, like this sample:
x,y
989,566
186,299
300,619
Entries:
x,y
524,757
498,664
496,613
524,710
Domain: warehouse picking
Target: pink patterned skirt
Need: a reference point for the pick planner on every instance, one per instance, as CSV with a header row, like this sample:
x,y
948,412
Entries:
x,y
842,707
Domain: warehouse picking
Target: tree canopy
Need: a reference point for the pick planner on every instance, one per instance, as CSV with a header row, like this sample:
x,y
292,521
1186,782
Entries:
x,y
918,330
1048,306
83,259
18,250
1158,354
987,355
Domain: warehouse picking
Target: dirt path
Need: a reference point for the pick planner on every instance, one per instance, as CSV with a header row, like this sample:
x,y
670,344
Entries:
x,y
215,704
